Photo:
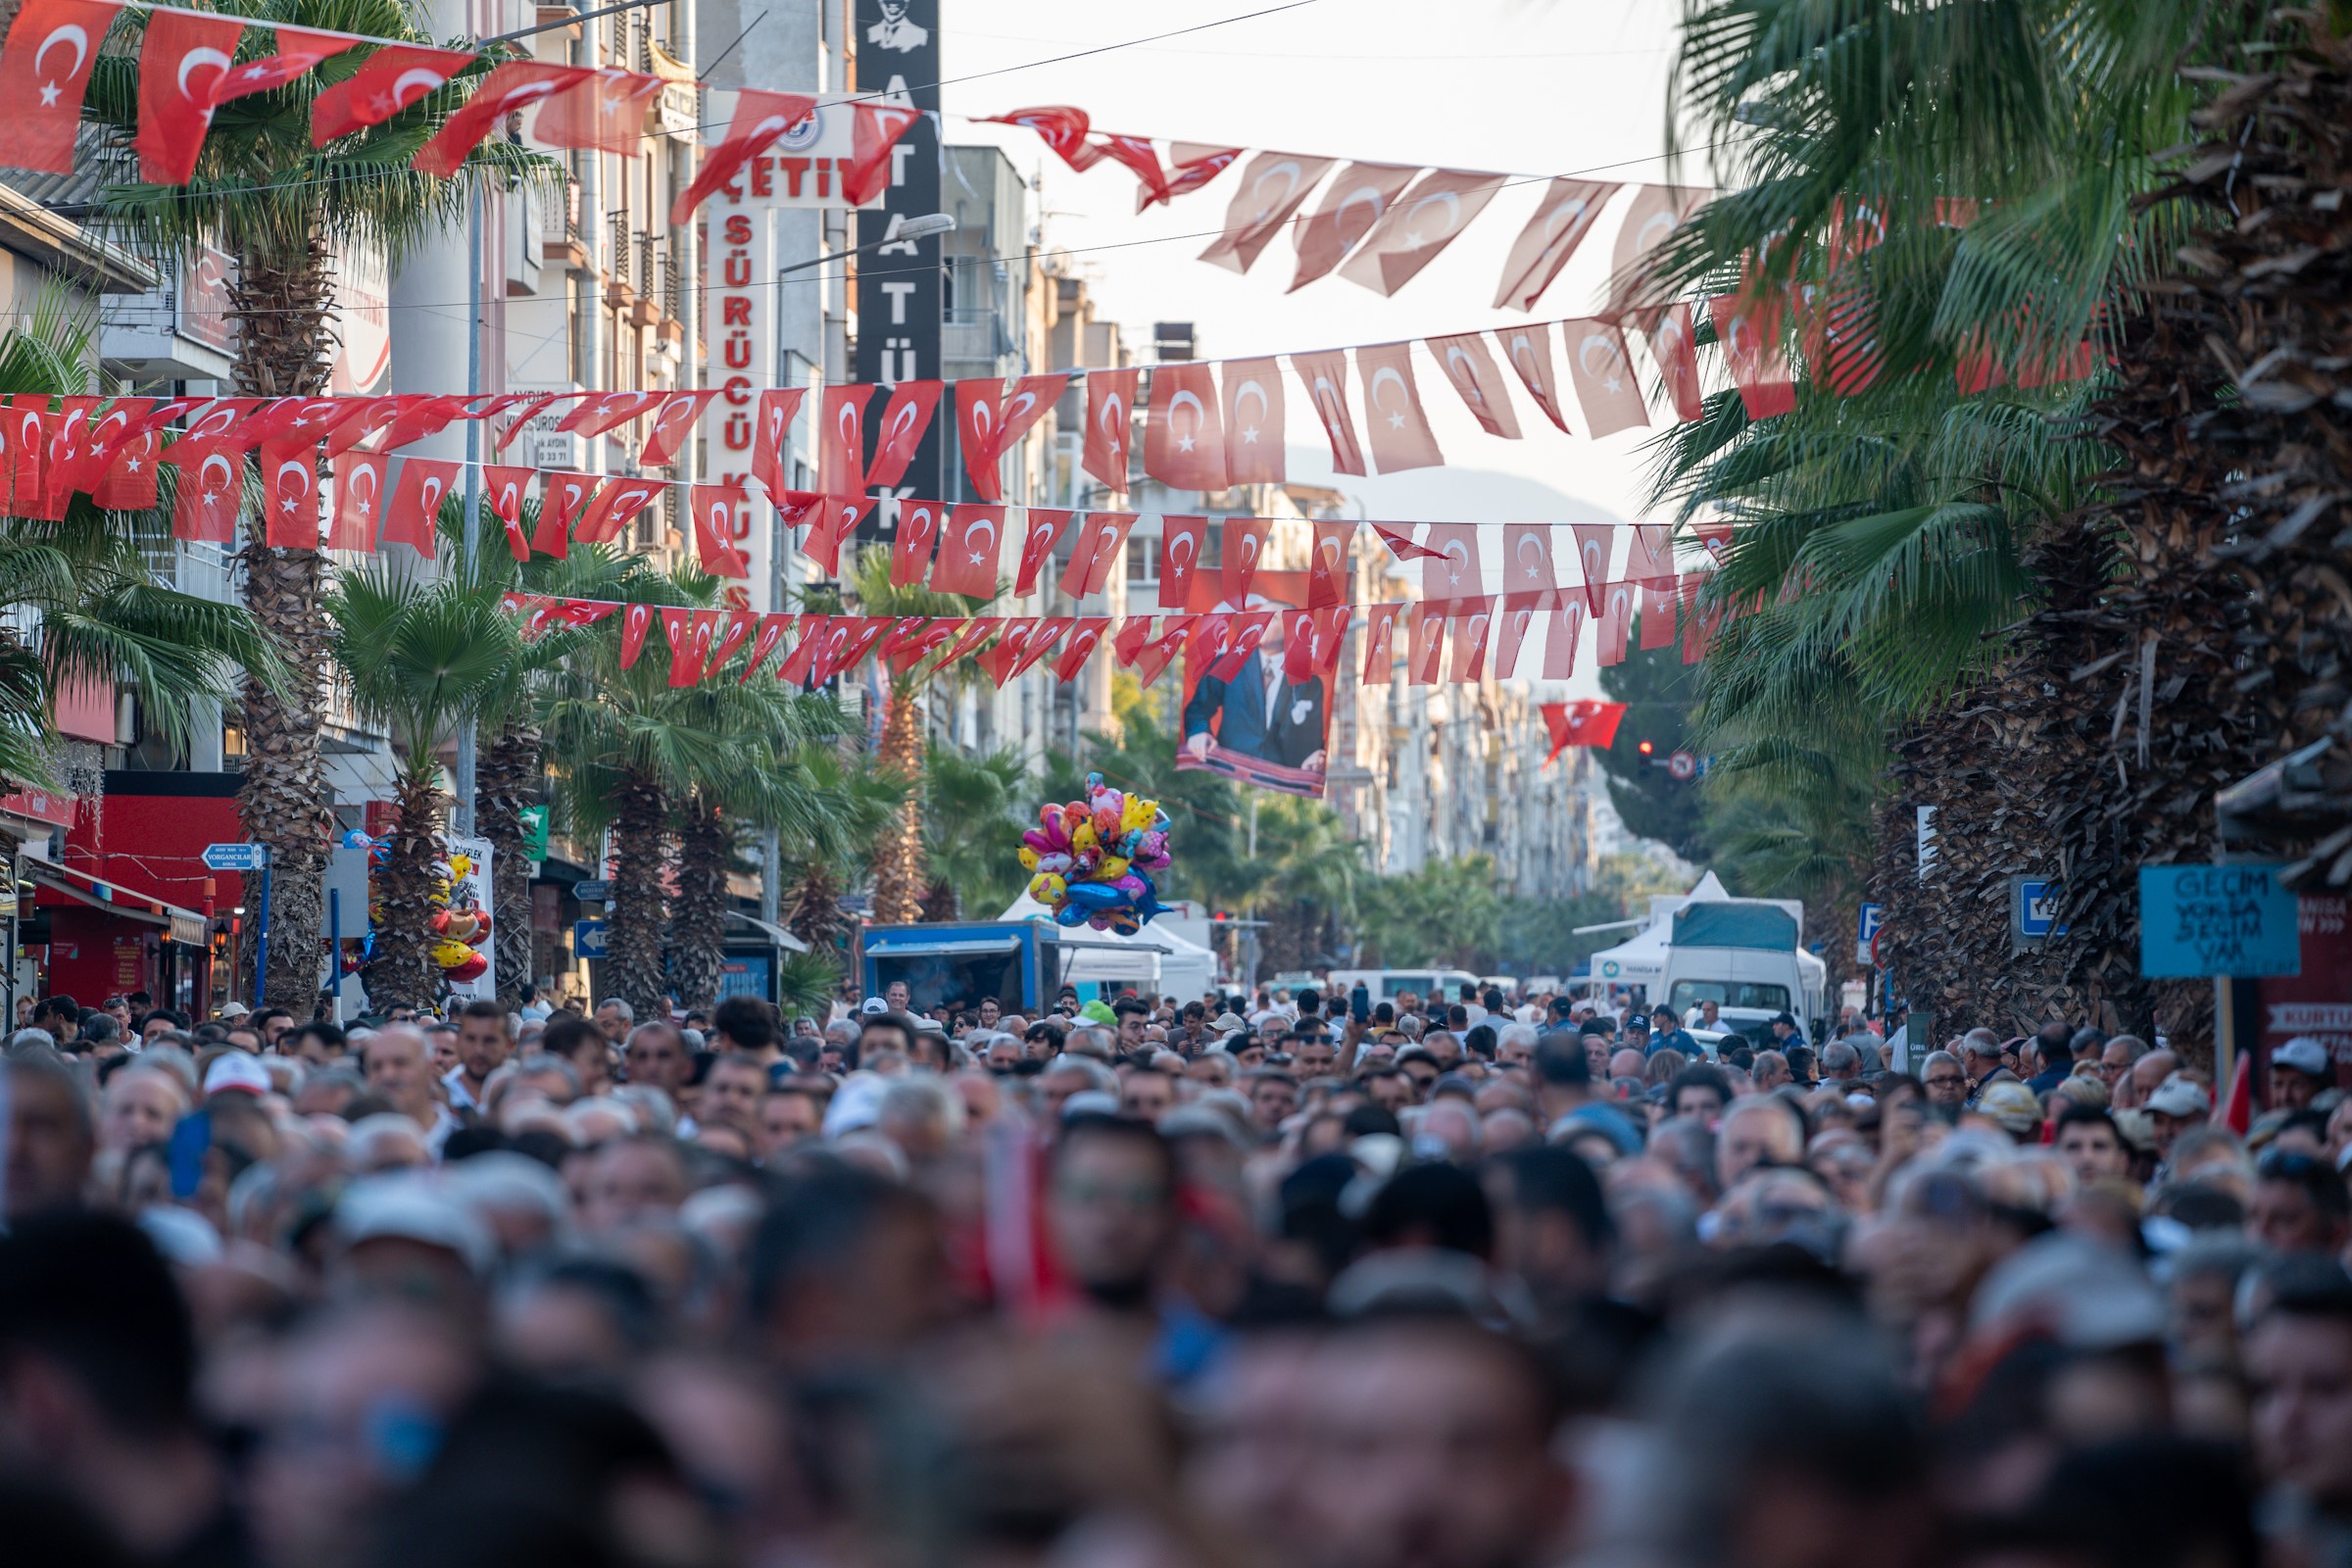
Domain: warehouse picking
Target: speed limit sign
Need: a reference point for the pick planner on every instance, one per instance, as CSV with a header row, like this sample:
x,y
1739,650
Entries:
x,y
1682,767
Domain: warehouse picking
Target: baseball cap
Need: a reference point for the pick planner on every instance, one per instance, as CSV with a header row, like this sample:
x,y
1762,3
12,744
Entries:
x,y
2305,1055
236,1070
2180,1096
873,1005
236,1009
2013,1105
410,1208
1229,1023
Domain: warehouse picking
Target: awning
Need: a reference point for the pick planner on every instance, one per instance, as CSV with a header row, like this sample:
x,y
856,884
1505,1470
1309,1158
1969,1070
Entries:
x,y
184,926
777,935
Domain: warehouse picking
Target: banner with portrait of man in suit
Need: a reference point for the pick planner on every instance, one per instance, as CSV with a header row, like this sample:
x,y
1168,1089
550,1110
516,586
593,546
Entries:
x,y
1253,708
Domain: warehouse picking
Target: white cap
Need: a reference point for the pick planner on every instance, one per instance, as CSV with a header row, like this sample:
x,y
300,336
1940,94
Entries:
x,y
237,1070
857,1104
236,1009
873,1004
2180,1096
411,1209
2306,1056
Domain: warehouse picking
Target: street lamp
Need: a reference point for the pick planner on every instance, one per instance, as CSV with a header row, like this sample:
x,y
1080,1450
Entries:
x,y
902,227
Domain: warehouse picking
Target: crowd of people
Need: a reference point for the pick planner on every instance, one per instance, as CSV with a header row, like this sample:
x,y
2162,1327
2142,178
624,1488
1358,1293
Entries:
x,y
1264,1282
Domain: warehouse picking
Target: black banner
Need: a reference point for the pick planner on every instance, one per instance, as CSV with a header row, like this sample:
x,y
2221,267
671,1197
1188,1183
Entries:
x,y
899,296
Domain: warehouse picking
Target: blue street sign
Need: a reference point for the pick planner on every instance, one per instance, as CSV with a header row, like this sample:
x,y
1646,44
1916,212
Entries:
x,y
1866,931
236,856
592,892
2198,920
2037,909
588,939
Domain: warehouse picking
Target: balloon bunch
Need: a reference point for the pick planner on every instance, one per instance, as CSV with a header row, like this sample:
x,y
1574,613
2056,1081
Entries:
x,y
1088,858
459,930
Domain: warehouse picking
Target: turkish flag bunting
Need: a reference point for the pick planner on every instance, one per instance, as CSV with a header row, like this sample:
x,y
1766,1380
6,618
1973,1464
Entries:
x,y
917,639
1274,186
1589,723
1008,647
1152,658
1471,368
44,71
599,411
1425,646
635,622
302,418
1086,635
794,668
1025,402
1657,613
298,51
417,418
504,487
1095,558
1528,350
1564,626
508,89
1247,631
1398,430
905,418
1253,423
1210,636
1449,564
1614,623
1655,213
416,502
28,442
1527,563
721,515
991,416
1512,625
603,113
395,77
971,547
693,636
123,423
584,612
1698,623
212,488
836,518
290,490
1192,166
841,439
183,64
1042,530
1352,206
761,120
221,419
671,426
1562,219
1245,544
1473,621
1402,545
1298,645
1060,127
615,508
1603,374
562,501
856,640
1422,222
1750,331
129,483
1325,377
1594,541
741,624
771,633
1109,416
360,486
1651,557
875,130
1181,541
68,445
777,411
1184,443
374,417
1040,643
1128,641
969,636
1139,154
1327,574
1671,345
911,544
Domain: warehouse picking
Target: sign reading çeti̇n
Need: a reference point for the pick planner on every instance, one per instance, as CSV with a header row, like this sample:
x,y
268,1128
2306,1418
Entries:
x,y
2200,921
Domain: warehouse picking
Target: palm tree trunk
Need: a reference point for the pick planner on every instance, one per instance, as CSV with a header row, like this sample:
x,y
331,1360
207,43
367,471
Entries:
x,y
900,878
811,906
279,306
506,780
402,969
699,923
637,919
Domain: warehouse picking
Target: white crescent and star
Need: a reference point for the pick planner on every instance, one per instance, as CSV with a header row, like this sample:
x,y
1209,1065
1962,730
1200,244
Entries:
x,y
421,79
1186,443
1380,378
971,538
1250,388
71,33
204,473
195,59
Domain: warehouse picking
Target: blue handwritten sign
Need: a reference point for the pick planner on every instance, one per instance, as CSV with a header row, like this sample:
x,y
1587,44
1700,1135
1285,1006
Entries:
x,y
2216,919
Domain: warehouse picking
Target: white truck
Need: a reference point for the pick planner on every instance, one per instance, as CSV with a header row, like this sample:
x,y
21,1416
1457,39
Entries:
x,y
1743,956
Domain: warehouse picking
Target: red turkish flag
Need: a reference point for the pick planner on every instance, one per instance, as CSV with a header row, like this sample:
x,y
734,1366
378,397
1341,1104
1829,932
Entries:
x,y
991,416
1139,154
777,411
1671,345
1245,545
1192,165
615,508
1527,563
1298,644
504,487
298,51
1651,557
797,665
873,133
1129,639
741,624
1380,642
910,545
129,483
1353,205
1327,570
1109,426
1184,441
1253,423
415,510
1095,558
905,418
1400,543
1421,224
1273,187
1041,641
1008,645
917,638
1044,531
418,416
1657,613
1245,632
360,486
1615,622
1060,127
1563,217
1654,213
1512,622
970,549
635,622
290,490
761,120
212,488
603,113
852,638
395,77
1181,542
1451,567
841,439
111,432
1325,377
1086,635
1473,623
969,635
1750,331
1589,722
183,64
836,518
374,417
1603,374
693,638
1528,350
562,501
1595,542
671,426
722,514
1564,625
44,71
1425,645
28,437
1471,368
509,89
1699,624
1396,429
1153,659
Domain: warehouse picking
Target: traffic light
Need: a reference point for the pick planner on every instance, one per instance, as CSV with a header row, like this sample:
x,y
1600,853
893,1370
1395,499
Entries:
x,y
1646,747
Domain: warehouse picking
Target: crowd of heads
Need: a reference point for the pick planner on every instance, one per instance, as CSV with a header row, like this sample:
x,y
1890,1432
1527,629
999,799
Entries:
x,y
1472,1281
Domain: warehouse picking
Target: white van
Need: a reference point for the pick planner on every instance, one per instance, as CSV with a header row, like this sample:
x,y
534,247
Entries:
x,y
1387,985
1741,955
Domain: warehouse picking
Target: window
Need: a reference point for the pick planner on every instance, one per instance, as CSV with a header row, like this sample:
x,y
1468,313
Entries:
x,y
1754,995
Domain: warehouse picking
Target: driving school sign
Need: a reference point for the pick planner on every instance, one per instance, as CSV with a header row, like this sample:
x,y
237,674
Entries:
x,y
2204,921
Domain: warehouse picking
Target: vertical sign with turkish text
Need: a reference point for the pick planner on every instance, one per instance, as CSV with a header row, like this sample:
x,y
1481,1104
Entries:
x,y
899,300
738,267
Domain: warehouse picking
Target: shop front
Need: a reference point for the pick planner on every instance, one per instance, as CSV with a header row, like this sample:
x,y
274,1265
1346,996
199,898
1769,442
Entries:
x,y
102,939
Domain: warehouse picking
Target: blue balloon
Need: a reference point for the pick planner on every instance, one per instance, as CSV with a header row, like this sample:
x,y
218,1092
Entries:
x,y
1069,914
1093,896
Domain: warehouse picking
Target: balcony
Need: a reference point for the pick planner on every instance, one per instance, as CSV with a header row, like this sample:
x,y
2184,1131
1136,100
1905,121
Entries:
x,y
561,239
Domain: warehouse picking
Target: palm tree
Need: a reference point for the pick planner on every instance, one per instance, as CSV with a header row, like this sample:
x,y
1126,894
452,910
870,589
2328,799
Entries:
x,y
864,802
975,811
276,205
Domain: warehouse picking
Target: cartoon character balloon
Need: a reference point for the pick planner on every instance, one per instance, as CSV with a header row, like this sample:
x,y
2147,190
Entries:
x,y
1088,859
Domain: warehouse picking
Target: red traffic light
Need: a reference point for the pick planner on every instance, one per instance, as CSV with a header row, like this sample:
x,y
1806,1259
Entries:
x,y
1646,747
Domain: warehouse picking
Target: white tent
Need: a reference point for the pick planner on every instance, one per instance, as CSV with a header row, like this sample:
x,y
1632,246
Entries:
x,y
1095,955
1638,961
1185,968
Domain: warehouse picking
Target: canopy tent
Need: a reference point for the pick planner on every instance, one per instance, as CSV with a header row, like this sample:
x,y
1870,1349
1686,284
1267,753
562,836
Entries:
x,y
1638,962
1181,967
1094,955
